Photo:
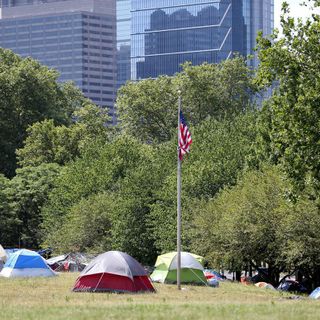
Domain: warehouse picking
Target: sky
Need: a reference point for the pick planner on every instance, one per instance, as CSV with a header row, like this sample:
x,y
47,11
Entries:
x,y
296,10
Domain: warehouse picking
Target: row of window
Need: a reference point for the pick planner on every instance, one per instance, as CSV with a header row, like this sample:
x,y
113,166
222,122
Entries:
x,y
153,4
151,67
72,17
43,37
182,17
59,29
98,91
180,41
99,84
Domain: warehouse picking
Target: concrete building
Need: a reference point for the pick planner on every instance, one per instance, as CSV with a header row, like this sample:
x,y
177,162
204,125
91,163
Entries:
x,y
76,37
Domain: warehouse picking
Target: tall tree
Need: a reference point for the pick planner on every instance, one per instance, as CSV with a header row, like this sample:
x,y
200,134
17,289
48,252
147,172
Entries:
x,y
21,201
217,157
47,142
148,108
29,92
291,136
9,220
242,226
120,172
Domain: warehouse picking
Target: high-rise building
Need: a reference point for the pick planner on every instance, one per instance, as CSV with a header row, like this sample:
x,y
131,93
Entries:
x,y
166,33
76,37
123,41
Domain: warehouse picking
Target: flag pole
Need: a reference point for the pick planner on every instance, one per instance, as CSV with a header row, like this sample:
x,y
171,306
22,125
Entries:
x,y
179,202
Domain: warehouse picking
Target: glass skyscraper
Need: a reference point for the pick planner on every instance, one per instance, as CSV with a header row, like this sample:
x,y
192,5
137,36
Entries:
x,y
123,41
76,37
166,33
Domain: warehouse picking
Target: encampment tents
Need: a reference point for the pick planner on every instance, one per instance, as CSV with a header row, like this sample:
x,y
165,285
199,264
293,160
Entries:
x,y
191,269
26,263
70,262
264,285
3,257
315,294
113,271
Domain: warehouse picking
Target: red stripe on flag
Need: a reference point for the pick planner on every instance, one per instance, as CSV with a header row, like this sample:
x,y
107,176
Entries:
x,y
185,139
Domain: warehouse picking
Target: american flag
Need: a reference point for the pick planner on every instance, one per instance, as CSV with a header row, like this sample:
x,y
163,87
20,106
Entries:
x,y
185,139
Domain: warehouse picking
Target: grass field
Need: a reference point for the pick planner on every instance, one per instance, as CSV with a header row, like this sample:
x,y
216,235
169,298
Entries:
x,y
43,298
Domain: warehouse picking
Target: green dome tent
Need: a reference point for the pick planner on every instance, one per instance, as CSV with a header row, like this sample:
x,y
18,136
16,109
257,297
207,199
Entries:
x,y
191,269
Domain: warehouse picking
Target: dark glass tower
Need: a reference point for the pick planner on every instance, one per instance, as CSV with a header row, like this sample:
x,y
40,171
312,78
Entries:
x,y
123,41
166,33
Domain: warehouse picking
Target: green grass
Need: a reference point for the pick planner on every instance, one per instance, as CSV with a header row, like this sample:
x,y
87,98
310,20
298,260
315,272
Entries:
x,y
48,299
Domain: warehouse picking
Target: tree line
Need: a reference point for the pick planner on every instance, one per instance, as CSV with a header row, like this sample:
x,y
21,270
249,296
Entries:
x,y
250,184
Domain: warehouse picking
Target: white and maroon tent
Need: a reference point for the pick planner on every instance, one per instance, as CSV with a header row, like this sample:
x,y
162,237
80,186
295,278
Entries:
x,y
113,271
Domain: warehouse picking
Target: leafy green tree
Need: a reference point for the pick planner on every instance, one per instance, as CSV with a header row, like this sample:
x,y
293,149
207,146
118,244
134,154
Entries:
x,y
50,143
242,226
291,136
217,157
218,91
121,170
301,240
148,108
87,226
9,221
21,202
30,188
29,92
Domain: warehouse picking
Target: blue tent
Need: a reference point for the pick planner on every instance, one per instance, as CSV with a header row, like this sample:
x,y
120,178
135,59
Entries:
x,y
315,294
26,263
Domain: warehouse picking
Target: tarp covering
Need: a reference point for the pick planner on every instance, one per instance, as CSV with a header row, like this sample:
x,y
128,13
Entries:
x,y
26,263
113,271
70,262
210,273
57,259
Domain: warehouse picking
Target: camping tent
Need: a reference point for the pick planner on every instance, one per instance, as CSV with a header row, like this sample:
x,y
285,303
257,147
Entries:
x,y
264,285
3,257
113,271
71,262
315,294
191,269
209,274
26,263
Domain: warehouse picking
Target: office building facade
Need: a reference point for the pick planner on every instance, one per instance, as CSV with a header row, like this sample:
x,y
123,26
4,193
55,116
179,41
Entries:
x,y
123,41
166,33
76,37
